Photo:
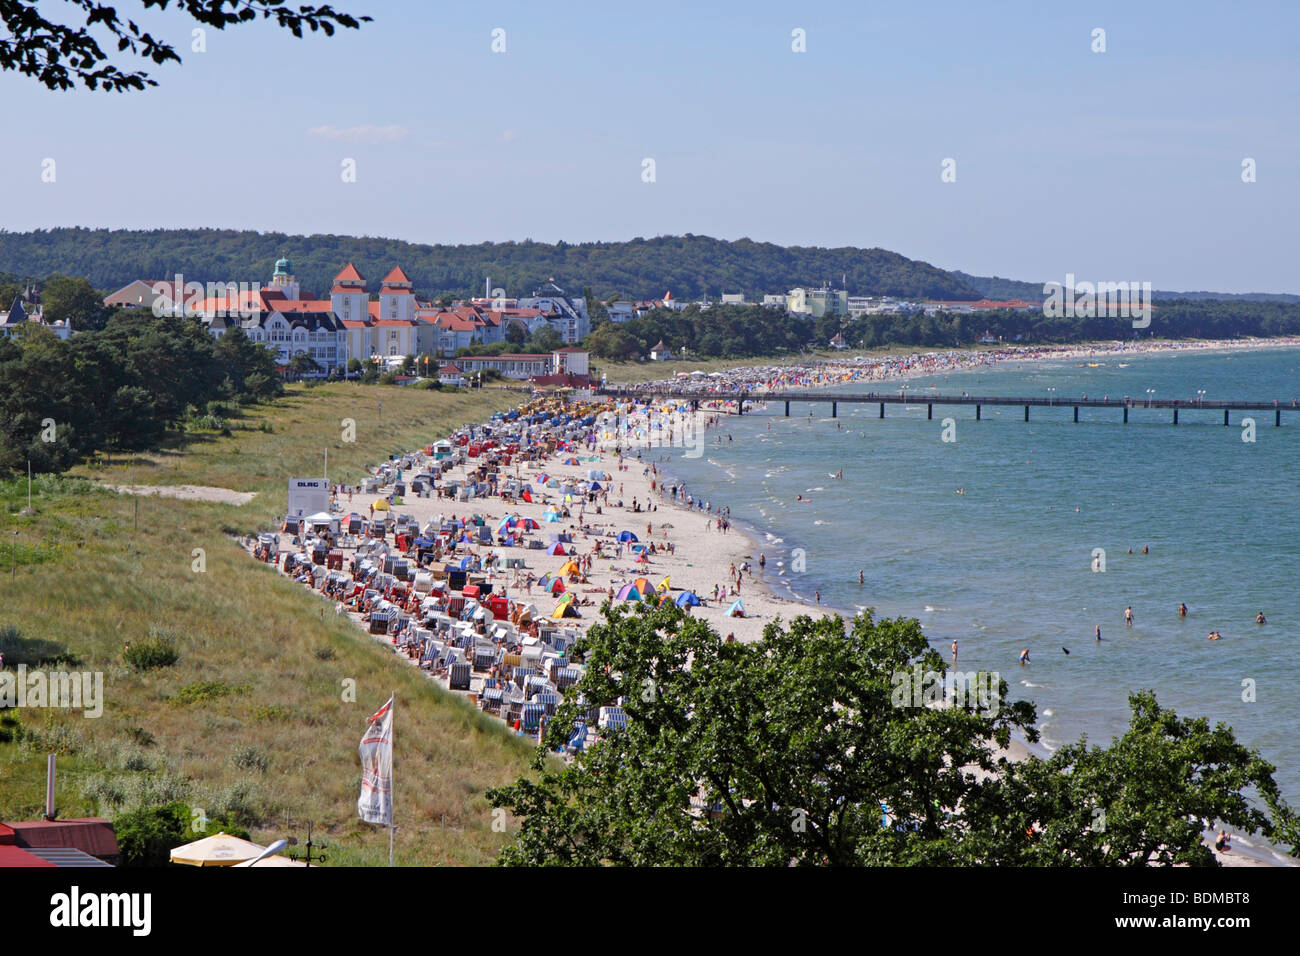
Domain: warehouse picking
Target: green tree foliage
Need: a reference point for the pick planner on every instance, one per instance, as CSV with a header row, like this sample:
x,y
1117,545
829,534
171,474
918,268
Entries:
x,y
783,751
119,388
73,300
146,837
63,56
688,266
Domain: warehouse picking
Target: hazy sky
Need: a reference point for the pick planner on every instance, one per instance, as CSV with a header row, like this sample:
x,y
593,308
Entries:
x,y
1122,165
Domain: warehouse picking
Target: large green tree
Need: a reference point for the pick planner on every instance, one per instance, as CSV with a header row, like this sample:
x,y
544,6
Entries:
x,y
805,748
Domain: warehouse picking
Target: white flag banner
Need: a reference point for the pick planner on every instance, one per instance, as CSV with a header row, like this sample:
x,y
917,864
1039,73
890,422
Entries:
x,y
376,802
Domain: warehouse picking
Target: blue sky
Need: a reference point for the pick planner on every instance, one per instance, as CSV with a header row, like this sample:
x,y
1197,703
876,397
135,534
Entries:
x,y
1122,165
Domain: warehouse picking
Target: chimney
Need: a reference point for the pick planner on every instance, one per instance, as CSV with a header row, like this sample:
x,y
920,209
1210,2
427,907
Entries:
x,y
49,788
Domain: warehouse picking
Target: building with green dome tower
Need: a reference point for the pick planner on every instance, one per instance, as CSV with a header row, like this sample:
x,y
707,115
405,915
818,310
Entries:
x,y
283,279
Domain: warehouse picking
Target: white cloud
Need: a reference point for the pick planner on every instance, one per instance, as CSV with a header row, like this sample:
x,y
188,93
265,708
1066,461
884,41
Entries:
x,y
361,134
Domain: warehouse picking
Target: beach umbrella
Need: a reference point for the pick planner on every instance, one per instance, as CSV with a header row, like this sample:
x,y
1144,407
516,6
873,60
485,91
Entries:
x,y
736,610
627,536
219,850
688,599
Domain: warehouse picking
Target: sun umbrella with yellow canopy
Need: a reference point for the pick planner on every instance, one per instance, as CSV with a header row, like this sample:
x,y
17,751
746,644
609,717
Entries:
x,y
219,850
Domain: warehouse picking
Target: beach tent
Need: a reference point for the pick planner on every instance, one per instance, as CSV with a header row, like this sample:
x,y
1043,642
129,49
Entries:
x,y
509,521
665,585
736,610
642,585
557,587
381,504
556,548
571,567
627,536
688,599
219,850
595,475
569,461
595,486
564,608
629,592
529,524
551,517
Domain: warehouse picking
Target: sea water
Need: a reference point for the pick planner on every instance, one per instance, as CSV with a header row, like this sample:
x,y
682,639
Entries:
x,y
1009,564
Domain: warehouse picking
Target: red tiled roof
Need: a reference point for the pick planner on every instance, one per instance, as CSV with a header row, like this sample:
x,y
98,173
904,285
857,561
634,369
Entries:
x,y
346,290
450,367
355,323
301,305
349,274
571,348
396,277
404,322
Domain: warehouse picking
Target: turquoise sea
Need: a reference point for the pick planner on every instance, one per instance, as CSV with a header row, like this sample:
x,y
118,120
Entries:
x,y
1009,564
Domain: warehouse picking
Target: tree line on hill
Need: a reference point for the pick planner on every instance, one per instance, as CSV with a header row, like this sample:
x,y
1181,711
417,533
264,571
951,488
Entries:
x,y
689,266
119,388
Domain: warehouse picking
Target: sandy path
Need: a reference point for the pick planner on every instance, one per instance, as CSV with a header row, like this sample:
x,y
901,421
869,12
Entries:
x,y
188,493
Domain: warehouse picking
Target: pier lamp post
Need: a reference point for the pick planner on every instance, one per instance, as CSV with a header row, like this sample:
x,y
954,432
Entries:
x,y
1051,398
1200,396
1151,394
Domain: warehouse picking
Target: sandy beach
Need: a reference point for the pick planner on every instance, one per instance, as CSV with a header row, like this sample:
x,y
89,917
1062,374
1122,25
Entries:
x,y
696,547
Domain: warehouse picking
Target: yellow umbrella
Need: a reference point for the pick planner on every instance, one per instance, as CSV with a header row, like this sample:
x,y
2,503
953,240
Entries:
x,y
220,850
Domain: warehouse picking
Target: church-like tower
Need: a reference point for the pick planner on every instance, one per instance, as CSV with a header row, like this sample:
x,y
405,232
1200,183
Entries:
x,y
348,297
283,279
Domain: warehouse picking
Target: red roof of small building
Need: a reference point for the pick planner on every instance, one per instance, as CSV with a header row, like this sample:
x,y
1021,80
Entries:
x,y
396,277
92,835
349,274
17,856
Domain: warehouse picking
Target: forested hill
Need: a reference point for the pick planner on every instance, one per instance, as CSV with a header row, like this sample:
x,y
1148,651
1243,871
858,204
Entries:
x,y
688,266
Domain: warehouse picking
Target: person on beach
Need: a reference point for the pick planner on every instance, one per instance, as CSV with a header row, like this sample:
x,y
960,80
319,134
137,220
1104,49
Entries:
x,y
1221,842
954,652
1128,616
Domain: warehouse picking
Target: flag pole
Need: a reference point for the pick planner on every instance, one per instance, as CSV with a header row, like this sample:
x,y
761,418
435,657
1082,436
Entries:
x,y
392,737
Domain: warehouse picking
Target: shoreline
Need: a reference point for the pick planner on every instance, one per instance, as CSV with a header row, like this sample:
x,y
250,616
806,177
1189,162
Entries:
x,y
692,552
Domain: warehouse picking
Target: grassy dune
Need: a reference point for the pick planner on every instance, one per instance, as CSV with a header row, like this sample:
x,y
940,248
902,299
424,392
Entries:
x,y
252,718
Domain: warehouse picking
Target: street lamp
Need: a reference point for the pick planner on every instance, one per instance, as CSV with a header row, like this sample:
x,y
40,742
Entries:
x,y
1051,399
1151,392
1200,396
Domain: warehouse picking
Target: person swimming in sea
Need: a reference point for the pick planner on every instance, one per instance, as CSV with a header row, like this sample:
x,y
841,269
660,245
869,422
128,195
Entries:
x,y
1259,618
1182,610
1128,616
1098,632
1215,635
1024,656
